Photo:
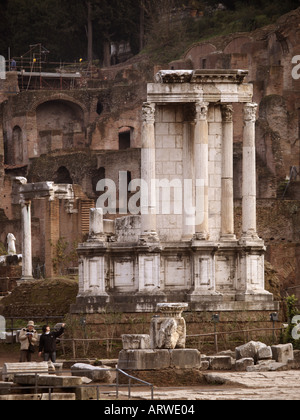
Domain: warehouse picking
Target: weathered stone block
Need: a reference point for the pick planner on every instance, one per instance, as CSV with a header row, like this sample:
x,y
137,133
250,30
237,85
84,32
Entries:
x,y
144,359
249,350
39,397
264,353
185,359
241,365
168,330
59,381
268,366
102,374
5,387
283,352
59,397
10,369
204,365
136,341
295,363
220,363
86,393
48,380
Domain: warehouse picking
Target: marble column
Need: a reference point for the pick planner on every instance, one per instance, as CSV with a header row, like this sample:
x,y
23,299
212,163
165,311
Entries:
x,y
227,217
249,174
188,207
148,167
201,171
52,221
26,240
96,232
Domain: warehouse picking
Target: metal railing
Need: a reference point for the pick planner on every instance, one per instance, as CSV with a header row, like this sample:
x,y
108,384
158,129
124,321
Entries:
x,y
100,387
109,340
216,334
11,329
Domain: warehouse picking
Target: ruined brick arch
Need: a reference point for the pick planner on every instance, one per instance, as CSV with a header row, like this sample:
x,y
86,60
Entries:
x,y
236,45
60,125
59,97
198,53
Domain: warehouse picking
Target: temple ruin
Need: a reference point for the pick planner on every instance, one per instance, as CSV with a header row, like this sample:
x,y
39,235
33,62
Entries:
x,y
182,246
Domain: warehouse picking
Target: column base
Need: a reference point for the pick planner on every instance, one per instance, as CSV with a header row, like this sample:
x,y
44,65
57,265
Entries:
x,y
26,279
250,239
254,296
201,236
228,237
149,238
97,238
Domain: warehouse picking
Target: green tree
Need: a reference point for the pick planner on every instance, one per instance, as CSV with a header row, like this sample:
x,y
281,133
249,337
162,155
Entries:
x,y
43,21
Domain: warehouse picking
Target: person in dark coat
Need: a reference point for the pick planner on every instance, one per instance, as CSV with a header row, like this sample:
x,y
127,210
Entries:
x,y
48,343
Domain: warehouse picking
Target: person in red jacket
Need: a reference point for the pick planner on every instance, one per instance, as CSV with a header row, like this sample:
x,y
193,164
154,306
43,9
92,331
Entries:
x,y
48,343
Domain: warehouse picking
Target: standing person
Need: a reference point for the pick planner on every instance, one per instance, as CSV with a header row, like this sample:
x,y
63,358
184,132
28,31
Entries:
x,y
28,338
13,65
48,343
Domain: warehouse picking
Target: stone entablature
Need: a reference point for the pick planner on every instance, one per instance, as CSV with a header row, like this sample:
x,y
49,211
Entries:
x,y
213,86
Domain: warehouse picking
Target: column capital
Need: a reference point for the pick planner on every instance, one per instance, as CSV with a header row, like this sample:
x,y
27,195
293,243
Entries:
x,y
201,109
149,112
227,112
24,202
250,109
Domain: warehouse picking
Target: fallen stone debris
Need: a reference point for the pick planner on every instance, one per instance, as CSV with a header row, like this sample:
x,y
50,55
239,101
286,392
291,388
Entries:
x,y
255,357
44,381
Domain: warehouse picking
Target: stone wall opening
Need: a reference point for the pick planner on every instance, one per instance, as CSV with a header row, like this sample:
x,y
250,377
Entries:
x,y
125,135
98,175
13,150
99,108
60,125
17,146
63,176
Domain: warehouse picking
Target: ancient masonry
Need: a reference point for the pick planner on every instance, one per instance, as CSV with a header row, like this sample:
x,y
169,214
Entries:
x,y
183,248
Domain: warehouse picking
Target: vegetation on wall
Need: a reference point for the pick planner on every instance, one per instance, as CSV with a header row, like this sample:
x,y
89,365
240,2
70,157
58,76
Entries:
x,y
2,249
292,311
65,256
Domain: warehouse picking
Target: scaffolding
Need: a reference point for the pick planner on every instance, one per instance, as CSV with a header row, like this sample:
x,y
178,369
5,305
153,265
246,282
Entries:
x,y
36,72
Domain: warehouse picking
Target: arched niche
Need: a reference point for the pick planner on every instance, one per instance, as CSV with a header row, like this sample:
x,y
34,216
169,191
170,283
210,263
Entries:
x,y
63,176
60,125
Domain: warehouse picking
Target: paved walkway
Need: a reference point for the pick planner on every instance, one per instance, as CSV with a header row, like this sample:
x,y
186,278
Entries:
x,y
234,386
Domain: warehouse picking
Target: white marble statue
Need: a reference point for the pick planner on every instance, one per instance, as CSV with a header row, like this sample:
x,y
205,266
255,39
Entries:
x,y
11,242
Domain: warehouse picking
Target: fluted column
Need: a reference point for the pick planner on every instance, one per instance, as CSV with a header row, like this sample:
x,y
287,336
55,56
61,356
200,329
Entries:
x,y
249,173
148,196
26,240
227,219
201,170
